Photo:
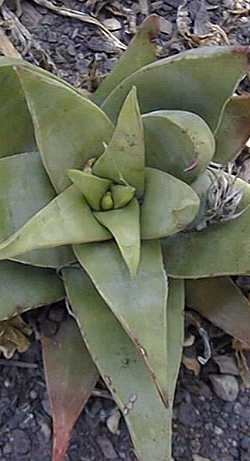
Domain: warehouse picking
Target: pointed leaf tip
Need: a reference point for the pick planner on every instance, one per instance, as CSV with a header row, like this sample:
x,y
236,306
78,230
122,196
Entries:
x,y
122,368
190,81
140,51
124,158
124,224
138,303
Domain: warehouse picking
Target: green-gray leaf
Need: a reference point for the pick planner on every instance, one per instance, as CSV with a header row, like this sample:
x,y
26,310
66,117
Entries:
x,y
123,159
140,52
124,225
234,129
191,81
175,333
139,303
69,128
122,369
65,220
220,301
24,190
220,249
169,205
23,287
178,142
16,127
92,187
122,195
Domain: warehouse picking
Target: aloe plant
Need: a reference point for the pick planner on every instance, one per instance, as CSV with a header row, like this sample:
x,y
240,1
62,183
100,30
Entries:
x,y
111,200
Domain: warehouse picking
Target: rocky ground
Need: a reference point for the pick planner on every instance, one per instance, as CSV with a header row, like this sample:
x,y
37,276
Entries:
x,y
212,408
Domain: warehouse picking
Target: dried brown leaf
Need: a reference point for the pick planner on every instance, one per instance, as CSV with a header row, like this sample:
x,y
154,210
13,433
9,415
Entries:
x,y
13,336
191,364
242,354
71,376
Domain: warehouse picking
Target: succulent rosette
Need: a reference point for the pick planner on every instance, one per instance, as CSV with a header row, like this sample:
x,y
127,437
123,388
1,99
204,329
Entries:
x,y
110,200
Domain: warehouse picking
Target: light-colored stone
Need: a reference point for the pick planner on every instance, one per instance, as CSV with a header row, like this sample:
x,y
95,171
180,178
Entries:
x,y
112,24
225,386
227,364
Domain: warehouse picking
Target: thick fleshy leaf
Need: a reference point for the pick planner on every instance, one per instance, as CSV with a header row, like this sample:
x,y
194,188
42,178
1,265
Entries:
x,y
140,52
23,287
175,333
92,187
24,190
122,369
191,81
70,376
124,225
139,303
69,128
65,220
123,159
50,257
178,142
122,195
16,128
220,249
220,301
234,129
169,205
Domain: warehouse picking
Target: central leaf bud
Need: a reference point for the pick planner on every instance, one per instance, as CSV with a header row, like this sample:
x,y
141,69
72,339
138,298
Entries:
x,y
107,202
117,197
101,193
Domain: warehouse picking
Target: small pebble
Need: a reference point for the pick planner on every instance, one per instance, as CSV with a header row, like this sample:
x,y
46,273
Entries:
x,y
245,443
33,395
112,24
106,447
20,441
225,386
188,415
227,364
7,449
218,430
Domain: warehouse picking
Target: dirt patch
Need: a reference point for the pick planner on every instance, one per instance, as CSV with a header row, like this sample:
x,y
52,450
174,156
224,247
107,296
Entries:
x,y
204,424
